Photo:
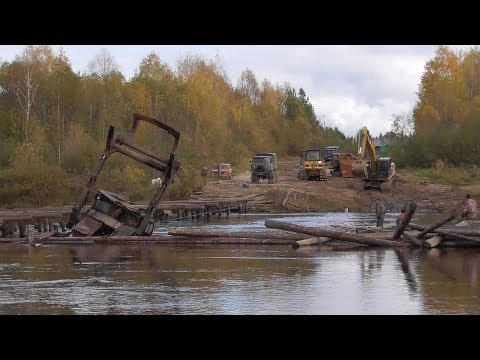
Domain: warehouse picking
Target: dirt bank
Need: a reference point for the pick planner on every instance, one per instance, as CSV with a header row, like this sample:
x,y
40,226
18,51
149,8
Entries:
x,y
335,194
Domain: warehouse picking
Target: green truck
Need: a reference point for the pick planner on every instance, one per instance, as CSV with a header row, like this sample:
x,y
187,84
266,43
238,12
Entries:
x,y
264,166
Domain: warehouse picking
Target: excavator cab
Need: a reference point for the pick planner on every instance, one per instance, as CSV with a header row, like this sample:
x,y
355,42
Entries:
x,y
384,168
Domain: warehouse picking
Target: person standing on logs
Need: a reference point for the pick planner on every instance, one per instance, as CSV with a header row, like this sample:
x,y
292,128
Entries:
x,y
469,209
380,213
403,212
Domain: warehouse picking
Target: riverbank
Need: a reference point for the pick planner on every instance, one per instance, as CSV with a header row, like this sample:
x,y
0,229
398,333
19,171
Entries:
x,y
335,194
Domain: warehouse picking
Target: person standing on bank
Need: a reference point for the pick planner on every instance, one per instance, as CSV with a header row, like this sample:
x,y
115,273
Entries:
x,y
204,175
380,213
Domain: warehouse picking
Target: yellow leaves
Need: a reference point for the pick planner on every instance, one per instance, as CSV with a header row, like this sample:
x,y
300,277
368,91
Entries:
x,y
139,97
134,175
427,120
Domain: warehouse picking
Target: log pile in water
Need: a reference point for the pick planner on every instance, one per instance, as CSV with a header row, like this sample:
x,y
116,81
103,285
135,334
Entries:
x,y
406,235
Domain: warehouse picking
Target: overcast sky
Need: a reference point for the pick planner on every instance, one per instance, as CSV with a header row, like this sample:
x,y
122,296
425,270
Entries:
x,y
349,86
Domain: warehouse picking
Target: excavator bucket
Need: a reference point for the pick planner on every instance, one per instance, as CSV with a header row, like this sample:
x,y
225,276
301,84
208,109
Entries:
x,y
112,214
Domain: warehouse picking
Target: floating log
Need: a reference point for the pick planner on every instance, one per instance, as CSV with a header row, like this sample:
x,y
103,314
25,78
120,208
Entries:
x,y
433,227
15,218
414,240
332,234
434,241
204,234
446,233
462,231
309,242
162,239
65,242
408,216
458,244
45,236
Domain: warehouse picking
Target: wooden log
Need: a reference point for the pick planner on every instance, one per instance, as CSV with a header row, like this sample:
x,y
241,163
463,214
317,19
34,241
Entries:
x,y
66,242
433,227
206,234
458,244
332,234
434,241
17,218
462,231
45,236
414,240
309,242
446,233
408,216
191,240
162,239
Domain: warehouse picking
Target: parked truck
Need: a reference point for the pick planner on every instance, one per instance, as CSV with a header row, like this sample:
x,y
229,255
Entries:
x,y
329,152
264,166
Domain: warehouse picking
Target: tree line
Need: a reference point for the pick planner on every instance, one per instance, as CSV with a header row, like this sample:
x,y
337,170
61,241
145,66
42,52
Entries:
x,y
54,122
444,125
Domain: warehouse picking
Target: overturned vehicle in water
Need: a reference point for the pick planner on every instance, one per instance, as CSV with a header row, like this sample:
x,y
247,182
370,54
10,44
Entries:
x,y
113,214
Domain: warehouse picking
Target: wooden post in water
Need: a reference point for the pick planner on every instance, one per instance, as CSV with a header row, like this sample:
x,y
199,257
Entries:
x,y
50,224
39,225
3,228
408,216
22,229
11,227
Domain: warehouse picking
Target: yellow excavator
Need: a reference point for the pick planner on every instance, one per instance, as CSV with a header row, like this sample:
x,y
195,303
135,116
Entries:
x,y
376,171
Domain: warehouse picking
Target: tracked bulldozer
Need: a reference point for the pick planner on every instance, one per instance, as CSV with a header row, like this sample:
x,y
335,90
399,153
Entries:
x,y
311,166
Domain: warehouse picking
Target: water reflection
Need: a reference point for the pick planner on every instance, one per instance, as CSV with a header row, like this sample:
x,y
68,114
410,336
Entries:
x,y
449,280
404,256
227,279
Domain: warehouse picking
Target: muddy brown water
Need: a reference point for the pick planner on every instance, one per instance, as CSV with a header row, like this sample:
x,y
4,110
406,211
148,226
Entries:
x,y
247,279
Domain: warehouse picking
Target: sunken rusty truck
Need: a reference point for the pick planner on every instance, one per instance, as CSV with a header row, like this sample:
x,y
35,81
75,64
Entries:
x,y
264,166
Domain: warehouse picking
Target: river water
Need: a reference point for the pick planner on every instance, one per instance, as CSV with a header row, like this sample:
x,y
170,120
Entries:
x,y
243,279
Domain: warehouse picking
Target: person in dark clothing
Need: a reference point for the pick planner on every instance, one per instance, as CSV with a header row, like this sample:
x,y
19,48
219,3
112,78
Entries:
x,y
403,212
380,213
